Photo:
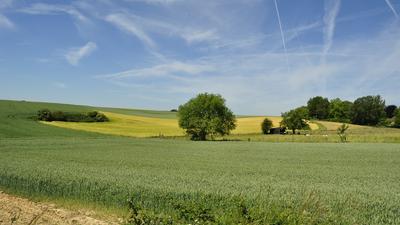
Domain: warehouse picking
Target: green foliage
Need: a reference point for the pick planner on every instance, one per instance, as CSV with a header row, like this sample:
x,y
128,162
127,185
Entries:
x,y
44,114
266,125
341,131
93,116
318,107
368,110
340,111
390,111
295,120
205,115
397,119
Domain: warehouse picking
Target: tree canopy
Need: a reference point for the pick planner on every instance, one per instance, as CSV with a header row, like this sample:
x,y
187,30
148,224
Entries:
x,y
390,111
266,125
340,111
397,119
368,110
318,107
295,119
206,115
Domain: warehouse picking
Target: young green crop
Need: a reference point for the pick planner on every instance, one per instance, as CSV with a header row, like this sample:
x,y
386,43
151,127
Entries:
x,y
351,183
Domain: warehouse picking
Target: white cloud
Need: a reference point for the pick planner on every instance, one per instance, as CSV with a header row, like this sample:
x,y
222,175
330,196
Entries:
x,y
167,69
59,85
199,36
74,55
47,9
5,22
128,24
331,11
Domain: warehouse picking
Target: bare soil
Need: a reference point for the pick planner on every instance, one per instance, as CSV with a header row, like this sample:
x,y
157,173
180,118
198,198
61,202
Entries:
x,y
16,210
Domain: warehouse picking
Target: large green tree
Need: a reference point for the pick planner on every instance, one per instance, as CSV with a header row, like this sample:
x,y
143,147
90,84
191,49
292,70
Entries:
x,y
295,119
318,107
390,111
397,118
206,115
340,111
368,110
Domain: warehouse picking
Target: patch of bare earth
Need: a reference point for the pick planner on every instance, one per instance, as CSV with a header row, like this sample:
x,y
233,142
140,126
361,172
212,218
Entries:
x,y
16,210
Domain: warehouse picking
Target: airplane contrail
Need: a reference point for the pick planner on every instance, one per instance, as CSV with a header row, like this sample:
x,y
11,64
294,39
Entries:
x,y
332,10
392,8
282,34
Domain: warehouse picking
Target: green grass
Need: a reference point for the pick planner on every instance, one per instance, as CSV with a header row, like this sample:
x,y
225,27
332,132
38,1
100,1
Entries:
x,y
229,182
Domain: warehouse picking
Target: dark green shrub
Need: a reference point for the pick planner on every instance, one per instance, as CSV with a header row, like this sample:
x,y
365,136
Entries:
x,y
58,116
44,115
100,117
266,125
94,116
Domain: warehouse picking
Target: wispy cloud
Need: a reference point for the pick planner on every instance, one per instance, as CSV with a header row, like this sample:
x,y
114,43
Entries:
x,y
392,8
331,11
74,55
199,36
173,68
127,23
52,9
6,3
5,22
59,85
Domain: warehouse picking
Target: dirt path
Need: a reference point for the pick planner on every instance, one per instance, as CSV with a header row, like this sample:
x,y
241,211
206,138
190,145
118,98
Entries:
x,y
15,210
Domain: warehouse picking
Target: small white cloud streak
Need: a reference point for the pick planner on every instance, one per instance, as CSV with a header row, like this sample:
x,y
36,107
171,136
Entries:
x,y
331,11
392,8
59,85
6,23
171,68
76,54
47,9
199,36
128,25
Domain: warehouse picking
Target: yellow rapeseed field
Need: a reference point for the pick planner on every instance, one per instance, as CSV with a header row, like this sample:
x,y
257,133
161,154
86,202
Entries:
x,y
140,126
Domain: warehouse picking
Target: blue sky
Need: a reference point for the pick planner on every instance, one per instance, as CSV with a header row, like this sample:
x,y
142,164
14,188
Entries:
x,y
263,56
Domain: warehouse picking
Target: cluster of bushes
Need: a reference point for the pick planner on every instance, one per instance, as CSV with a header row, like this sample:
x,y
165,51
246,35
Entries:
x,y
94,116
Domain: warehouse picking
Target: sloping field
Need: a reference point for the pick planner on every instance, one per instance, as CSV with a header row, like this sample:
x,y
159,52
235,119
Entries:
x,y
141,126
127,125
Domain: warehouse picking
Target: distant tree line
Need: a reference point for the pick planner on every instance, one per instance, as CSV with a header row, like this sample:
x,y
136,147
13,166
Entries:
x,y
94,116
367,110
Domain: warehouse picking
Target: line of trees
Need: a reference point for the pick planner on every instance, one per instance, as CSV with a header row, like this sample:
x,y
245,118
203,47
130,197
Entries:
x,y
206,115
367,110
